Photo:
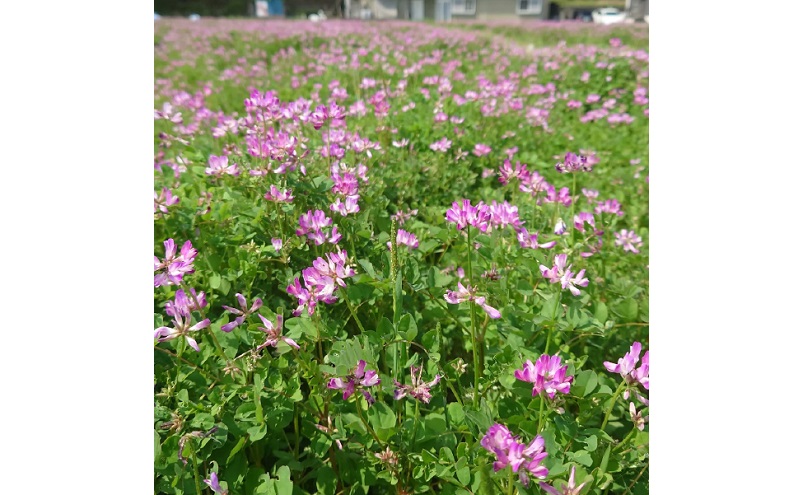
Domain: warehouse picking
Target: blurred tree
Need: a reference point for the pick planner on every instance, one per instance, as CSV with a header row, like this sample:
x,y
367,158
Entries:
x,y
210,8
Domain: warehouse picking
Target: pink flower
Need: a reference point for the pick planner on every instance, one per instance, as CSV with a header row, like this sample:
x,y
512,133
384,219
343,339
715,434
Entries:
x,y
527,240
466,214
349,206
568,489
547,376
609,206
405,238
218,165
628,240
560,227
311,225
181,328
561,273
278,196
174,267
164,200
582,218
241,314
503,215
184,305
626,367
469,293
524,459
277,244
441,145
357,380
481,149
274,333
418,389
574,163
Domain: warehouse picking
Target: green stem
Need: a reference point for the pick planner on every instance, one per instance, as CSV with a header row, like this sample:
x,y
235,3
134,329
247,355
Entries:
x,y
572,210
366,424
475,364
541,411
416,423
611,406
510,482
352,311
196,472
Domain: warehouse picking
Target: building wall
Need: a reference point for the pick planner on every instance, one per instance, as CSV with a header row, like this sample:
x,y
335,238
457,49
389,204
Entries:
x,y
500,9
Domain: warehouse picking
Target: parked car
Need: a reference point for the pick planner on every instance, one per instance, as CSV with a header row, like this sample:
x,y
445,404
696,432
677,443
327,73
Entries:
x,y
608,15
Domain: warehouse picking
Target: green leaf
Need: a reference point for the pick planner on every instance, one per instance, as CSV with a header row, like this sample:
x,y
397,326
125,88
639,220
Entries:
x,y
585,383
284,485
601,312
157,446
626,309
236,448
214,280
581,457
407,327
462,471
382,419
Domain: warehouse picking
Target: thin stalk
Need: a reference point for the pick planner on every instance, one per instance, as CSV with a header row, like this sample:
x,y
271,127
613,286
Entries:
x,y
574,200
611,406
475,364
541,411
366,424
352,311
510,482
196,472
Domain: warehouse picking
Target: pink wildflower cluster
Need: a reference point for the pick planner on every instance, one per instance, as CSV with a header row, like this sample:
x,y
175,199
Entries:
x,y
273,333
345,186
278,196
182,325
547,375
561,273
162,201
402,217
241,314
418,389
183,305
470,293
626,367
609,206
405,238
523,459
172,268
628,240
218,166
358,379
575,163
311,225
320,281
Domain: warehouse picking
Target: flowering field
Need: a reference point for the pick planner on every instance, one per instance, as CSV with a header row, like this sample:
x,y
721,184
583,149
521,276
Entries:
x,y
394,257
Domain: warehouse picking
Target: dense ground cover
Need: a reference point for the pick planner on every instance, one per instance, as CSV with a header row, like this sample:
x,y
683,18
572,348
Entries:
x,y
399,258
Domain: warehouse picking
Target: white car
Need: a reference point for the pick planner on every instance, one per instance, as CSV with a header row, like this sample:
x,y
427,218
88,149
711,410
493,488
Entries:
x,y
608,15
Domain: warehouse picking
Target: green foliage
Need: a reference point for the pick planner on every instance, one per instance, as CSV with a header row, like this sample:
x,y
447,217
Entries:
x,y
263,414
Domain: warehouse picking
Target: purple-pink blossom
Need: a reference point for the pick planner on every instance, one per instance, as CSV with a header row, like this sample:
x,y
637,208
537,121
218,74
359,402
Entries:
x,y
562,273
628,240
183,305
278,196
163,200
241,314
524,459
626,367
568,489
273,332
469,293
574,163
547,375
419,389
481,149
182,325
529,241
465,214
173,267
312,224
218,165
358,379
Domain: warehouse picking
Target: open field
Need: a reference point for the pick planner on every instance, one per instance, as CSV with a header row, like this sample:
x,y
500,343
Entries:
x,y
396,257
